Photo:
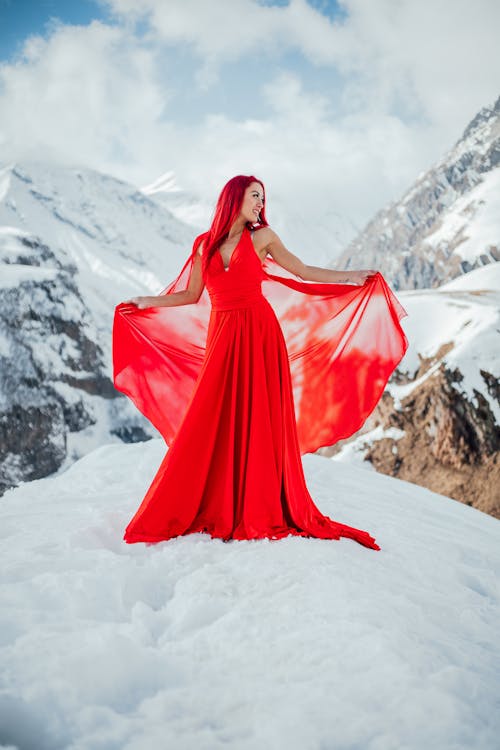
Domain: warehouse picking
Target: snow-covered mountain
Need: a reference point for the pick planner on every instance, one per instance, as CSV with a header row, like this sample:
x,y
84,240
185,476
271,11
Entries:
x,y
185,206
73,243
438,422
447,223
196,643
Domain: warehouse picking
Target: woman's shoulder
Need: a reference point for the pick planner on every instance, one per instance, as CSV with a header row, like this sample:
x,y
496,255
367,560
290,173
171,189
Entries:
x,y
263,236
261,229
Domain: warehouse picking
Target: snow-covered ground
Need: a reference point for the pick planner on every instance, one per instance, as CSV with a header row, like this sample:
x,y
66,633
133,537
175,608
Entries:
x,y
196,644
486,278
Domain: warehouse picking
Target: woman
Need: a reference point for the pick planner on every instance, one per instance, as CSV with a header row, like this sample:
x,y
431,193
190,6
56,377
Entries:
x,y
220,384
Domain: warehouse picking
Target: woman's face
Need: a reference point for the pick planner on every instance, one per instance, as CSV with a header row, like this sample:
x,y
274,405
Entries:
x,y
253,202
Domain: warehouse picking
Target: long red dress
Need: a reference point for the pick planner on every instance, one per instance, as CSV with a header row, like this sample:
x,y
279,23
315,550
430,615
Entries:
x,y
237,408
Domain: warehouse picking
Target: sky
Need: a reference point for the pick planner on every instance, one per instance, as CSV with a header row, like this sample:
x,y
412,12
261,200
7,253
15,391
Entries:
x,y
337,106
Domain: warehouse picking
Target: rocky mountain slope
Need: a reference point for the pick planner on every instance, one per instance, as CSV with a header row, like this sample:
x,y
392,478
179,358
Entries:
x,y
447,223
438,423
73,243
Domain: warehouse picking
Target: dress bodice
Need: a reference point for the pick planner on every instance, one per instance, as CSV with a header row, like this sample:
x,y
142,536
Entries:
x,y
238,285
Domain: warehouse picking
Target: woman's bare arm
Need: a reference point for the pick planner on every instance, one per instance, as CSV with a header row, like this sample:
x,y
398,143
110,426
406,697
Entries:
x,y
267,242
187,297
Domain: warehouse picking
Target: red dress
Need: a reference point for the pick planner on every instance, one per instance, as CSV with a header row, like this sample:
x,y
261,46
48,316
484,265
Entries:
x,y
237,408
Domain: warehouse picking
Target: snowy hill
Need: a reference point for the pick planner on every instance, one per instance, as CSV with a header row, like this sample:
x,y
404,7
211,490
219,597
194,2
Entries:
x,y
195,643
73,243
447,223
438,422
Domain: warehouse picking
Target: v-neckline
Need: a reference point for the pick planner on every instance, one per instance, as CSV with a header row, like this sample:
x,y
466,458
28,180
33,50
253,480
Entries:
x,y
232,254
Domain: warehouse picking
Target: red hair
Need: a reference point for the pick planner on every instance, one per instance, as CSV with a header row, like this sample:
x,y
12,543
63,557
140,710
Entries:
x,y
226,212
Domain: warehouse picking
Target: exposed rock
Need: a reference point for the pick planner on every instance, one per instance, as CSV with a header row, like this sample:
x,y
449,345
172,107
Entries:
x,y
131,433
450,443
48,339
32,438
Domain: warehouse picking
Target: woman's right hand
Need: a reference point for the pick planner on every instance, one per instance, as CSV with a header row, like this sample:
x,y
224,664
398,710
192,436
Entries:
x,y
142,302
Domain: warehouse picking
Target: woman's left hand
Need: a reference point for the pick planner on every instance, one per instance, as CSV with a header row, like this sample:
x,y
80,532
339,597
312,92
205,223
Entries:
x,y
359,277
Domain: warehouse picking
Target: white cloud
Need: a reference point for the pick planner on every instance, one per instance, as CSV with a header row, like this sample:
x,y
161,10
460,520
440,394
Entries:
x,y
440,57
222,30
86,94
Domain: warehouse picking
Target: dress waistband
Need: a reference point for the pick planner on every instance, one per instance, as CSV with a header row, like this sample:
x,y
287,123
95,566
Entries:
x,y
237,299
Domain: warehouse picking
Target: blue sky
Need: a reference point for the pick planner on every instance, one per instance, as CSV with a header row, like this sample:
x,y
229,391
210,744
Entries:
x,y
348,100
20,18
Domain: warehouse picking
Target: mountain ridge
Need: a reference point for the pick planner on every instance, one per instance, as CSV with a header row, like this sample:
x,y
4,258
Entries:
x,y
447,222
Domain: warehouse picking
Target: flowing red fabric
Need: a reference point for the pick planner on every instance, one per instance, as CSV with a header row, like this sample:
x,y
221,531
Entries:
x,y
263,368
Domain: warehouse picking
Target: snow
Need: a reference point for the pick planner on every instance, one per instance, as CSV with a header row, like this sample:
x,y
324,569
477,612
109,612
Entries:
x,y
487,277
463,314
197,643
100,433
4,183
13,274
12,231
355,450
165,182
474,223
437,318
5,348
478,139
